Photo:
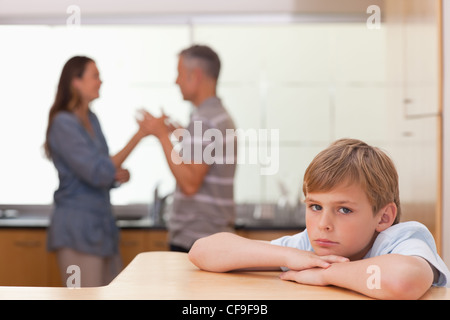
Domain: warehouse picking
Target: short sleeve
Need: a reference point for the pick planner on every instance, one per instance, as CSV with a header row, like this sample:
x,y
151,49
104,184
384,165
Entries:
x,y
411,239
299,241
420,248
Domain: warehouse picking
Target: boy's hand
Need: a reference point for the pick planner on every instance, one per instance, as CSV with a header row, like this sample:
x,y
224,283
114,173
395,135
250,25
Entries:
x,y
306,260
410,277
314,276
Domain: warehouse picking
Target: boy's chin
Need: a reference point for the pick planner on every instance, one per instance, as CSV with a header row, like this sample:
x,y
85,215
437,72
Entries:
x,y
325,251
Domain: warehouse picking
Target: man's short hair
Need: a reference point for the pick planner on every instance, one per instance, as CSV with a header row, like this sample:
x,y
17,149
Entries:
x,y
353,161
203,57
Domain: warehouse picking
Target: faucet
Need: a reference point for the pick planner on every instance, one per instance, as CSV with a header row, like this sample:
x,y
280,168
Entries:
x,y
157,207
283,200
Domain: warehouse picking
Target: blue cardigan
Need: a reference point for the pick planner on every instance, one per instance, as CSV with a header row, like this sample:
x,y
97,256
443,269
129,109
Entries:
x,y
82,218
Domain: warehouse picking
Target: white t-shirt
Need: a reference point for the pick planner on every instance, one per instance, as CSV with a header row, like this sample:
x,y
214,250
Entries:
x,y
407,238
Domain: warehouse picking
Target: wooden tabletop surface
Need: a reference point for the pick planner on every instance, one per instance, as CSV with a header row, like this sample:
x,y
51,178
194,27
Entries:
x,y
171,276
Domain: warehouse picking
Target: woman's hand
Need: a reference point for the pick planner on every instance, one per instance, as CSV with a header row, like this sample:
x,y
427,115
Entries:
x,y
122,175
150,125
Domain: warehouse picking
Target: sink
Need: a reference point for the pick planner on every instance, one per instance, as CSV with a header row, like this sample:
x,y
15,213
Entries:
x,y
12,214
9,213
269,215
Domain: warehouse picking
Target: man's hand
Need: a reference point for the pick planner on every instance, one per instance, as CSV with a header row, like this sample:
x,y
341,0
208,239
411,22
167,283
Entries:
x,y
151,125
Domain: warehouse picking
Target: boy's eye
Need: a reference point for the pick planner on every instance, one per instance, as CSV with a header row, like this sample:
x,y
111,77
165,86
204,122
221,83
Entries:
x,y
315,207
345,210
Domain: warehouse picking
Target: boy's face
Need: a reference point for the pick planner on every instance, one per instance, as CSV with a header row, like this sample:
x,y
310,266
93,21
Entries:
x,y
341,222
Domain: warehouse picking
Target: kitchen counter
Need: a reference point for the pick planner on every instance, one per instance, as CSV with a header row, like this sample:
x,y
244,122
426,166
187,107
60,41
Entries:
x,y
138,217
171,276
144,223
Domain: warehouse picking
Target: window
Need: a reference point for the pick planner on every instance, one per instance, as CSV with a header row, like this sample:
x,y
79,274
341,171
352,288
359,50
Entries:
x,y
313,82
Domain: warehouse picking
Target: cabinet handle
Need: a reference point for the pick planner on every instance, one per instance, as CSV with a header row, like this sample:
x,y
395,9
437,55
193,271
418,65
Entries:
x,y
407,100
27,243
160,243
129,243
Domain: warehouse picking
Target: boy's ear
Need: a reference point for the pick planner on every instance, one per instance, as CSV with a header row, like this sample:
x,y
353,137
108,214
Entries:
x,y
388,215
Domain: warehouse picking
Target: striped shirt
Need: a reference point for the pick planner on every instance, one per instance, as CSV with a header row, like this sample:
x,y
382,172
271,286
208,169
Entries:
x,y
212,208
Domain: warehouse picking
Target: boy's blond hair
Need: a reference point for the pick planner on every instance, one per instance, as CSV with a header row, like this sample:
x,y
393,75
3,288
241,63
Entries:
x,y
348,161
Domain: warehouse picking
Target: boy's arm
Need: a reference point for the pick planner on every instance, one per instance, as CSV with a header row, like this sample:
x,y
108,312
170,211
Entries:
x,y
224,252
391,276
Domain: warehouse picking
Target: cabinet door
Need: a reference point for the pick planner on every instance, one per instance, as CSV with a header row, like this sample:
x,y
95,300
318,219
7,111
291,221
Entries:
x,y
24,257
266,235
157,240
132,242
54,275
135,241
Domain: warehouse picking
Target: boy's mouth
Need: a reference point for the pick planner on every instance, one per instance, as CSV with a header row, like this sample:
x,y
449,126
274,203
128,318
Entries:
x,y
325,242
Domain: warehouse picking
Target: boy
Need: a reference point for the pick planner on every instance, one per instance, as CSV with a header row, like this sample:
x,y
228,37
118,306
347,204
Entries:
x,y
352,232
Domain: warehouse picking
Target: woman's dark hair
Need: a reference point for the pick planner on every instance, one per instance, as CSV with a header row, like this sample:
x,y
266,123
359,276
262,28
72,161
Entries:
x,y
66,99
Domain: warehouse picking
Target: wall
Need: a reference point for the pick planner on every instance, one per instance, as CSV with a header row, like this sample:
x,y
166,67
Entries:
x,y
47,8
377,85
327,84
446,132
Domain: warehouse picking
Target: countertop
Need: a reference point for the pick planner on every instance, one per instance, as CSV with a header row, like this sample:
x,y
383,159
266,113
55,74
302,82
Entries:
x,y
171,276
262,217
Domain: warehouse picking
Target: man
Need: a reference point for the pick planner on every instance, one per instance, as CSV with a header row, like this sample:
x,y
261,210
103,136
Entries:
x,y
203,200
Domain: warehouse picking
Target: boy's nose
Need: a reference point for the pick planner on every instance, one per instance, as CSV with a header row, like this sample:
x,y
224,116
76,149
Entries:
x,y
326,221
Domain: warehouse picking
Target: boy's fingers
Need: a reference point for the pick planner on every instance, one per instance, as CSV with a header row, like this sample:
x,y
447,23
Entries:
x,y
334,259
318,262
288,275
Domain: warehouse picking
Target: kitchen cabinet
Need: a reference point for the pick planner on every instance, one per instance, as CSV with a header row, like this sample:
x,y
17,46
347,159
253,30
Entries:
x,y
132,242
26,261
135,241
413,69
24,256
265,234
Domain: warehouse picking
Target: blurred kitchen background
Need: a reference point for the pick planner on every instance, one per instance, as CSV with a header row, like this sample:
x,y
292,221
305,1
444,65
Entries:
x,y
315,70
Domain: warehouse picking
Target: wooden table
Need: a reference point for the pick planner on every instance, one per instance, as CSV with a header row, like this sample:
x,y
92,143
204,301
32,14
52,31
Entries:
x,y
171,276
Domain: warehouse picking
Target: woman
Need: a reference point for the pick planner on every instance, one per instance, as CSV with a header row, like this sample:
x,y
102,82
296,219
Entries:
x,y
83,230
